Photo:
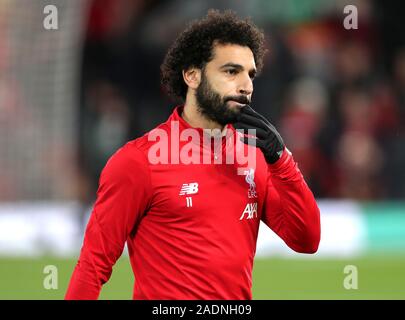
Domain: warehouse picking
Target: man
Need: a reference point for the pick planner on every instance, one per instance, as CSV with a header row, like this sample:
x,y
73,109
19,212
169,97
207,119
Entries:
x,y
191,226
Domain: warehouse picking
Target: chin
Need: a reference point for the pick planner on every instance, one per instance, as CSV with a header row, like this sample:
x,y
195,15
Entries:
x,y
230,117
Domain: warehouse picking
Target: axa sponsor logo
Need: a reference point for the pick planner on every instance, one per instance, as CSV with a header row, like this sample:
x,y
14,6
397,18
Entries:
x,y
250,211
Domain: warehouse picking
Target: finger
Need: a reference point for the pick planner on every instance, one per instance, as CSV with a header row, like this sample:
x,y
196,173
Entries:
x,y
253,121
260,133
249,110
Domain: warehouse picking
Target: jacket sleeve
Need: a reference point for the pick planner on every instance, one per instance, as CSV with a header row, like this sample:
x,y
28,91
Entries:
x,y
290,209
123,196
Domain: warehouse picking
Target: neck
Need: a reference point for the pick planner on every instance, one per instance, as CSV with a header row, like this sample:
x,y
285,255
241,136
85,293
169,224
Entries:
x,y
195,119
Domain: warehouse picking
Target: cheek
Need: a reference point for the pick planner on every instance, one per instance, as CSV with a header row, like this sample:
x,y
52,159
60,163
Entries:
x,y
223,85
226,88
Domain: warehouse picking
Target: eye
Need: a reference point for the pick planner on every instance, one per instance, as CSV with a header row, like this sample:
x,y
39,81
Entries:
x,y
231,71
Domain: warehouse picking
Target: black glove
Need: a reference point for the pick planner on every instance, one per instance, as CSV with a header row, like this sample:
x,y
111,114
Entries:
x,y
267,137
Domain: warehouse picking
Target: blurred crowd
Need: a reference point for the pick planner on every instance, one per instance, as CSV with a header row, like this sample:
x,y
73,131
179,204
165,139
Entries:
x,y
337,96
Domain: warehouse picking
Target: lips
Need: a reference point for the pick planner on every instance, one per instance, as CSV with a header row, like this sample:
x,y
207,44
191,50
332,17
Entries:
x,y
237,103
240,101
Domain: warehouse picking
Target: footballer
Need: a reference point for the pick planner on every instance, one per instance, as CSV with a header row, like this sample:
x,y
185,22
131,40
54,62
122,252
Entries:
x,y
180,196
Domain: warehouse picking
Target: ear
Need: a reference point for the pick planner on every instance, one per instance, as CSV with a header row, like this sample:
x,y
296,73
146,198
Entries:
x,y
192,77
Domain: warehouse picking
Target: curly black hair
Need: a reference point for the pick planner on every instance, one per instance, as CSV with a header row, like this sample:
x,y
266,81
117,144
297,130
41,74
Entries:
x,y
193,47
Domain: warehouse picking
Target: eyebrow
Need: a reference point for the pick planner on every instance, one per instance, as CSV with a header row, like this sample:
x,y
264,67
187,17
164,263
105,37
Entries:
x,y
238,67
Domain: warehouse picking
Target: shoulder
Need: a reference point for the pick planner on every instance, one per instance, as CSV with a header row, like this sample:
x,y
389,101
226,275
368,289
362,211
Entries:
x,y
145,142
132,157
127,164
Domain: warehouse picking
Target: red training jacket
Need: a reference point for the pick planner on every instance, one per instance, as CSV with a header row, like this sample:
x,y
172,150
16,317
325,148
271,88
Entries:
x,y
191,229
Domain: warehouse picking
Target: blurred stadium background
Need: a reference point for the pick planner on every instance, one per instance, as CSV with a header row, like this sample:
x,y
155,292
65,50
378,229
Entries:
x,y
70,97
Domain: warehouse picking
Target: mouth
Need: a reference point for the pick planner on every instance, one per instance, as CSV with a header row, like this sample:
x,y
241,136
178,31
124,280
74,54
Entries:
x,y
236,104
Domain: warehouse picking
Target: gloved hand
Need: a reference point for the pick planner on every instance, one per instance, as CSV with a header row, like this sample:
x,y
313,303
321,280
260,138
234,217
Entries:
x,y
267,137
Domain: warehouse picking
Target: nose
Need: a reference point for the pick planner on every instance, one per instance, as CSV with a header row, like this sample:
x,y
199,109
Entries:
x,y
246,86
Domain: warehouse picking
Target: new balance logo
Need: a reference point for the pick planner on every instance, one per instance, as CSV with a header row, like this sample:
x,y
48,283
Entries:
x,y
250,211
189,188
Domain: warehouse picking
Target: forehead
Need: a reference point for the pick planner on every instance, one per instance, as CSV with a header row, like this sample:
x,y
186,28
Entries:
x,y
233,53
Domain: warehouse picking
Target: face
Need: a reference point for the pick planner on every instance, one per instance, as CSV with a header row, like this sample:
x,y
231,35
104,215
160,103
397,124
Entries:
x,y
226,83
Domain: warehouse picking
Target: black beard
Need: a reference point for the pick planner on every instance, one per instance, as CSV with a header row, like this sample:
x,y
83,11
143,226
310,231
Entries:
x,y
213,107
